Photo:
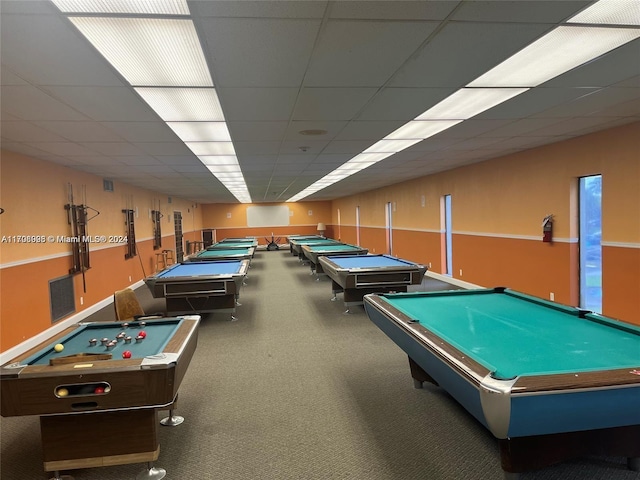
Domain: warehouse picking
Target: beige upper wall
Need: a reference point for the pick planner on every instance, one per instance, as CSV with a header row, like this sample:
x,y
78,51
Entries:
x,y
34,193
512,194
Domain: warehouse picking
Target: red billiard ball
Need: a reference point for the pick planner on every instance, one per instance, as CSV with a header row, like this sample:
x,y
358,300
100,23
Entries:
x,y
126,354
98,390
142,334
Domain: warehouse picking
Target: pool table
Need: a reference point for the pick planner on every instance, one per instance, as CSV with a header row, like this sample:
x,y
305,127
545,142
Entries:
x,y
98,411
549,381
357,275
200,287
314,252
296,245
233,246
232,253
236,242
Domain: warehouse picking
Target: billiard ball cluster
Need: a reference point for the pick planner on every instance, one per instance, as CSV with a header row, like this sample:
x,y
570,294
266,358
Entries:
x,y
120,337
96,389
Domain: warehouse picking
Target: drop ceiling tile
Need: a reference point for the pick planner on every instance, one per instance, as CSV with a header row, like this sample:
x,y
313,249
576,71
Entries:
x,y
31,103
305,146
369,130
113,148
256,148
273,52
363,54
27,132
257,131
331,103
393,9
257,104
142,132
159,149
82,131
294,130
64,148
260,9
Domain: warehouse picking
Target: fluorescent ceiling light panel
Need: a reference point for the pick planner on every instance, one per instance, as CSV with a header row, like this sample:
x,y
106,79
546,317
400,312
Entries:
x,y
211,148
392,146
355,167
421,129
555,53
618,12
370,157
149,51
469,102
224,168
183,104
201,131
152,7
211,160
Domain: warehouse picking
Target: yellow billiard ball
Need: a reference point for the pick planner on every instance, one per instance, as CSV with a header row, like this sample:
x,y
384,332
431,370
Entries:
x,y
62,392
59,347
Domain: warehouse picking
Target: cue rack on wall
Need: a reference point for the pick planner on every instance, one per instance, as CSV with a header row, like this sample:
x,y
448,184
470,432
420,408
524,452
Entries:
x,y
156,216
77,217
129,221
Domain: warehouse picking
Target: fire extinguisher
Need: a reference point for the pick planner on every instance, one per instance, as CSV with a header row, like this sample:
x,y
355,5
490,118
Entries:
x,y
547,229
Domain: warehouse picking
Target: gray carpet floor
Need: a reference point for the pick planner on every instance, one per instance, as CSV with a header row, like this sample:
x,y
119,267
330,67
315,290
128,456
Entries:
x,y
295,389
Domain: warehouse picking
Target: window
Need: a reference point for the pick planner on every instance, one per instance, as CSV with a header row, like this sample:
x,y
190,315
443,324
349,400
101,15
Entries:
x,y
590,243
448,235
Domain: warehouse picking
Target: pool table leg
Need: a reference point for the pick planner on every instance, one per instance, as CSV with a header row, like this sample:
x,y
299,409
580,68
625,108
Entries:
x,y
633,463
419,375
151,473
57,476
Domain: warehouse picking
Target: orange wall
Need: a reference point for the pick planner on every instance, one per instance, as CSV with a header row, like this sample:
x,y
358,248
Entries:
x,y
230,220
498,207
33,194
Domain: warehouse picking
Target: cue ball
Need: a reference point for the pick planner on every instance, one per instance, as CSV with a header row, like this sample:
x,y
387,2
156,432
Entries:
x,y
59,347
126,354
62,392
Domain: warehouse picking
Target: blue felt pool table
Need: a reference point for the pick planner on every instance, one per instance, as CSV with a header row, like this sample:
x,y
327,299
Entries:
x,y
83,395
313,252
548,381
357,275
200,287
220,253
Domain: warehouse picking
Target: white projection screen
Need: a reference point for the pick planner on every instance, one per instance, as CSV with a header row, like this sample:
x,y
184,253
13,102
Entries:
x,y
268,216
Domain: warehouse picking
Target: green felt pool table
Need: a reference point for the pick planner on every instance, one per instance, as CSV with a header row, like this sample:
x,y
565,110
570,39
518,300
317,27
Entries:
x,y
297,244
549,381
82,396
